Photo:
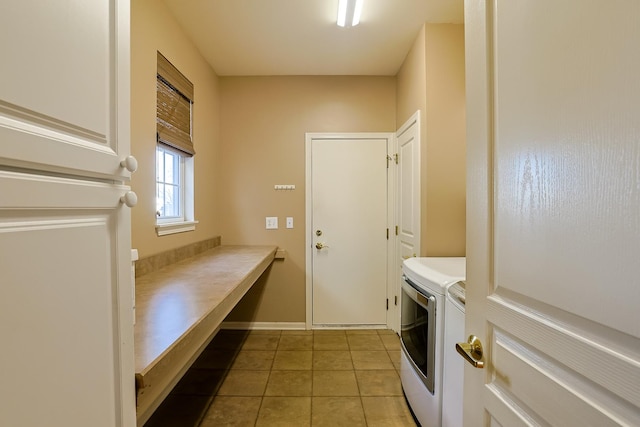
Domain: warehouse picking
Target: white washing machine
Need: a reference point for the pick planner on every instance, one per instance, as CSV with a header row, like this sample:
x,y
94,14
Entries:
x,y
422,326
453,368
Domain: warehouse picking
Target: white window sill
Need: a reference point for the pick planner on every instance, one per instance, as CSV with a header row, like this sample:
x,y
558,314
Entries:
x,y
165,228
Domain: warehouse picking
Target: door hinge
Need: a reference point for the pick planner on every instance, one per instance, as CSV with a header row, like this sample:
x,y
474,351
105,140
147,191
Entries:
x,y
387,303
396,230
387,234
395,300
388,160
395,157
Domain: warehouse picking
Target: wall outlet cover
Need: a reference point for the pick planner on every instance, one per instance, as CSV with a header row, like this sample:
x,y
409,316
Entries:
x,y
272,222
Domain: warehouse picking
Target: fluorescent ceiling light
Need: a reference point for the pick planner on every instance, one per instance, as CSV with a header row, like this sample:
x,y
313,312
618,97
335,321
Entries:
x,y
349,12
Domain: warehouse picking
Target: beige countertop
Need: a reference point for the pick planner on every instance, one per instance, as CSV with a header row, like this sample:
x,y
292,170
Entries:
x,y
181,306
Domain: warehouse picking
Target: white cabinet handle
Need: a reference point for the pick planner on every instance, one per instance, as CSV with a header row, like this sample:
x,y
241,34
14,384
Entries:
x,y
130,199
130,164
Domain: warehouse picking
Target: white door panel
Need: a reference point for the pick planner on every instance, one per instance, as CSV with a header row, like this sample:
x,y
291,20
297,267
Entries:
x,y
64,88
65,304
553,196
349,207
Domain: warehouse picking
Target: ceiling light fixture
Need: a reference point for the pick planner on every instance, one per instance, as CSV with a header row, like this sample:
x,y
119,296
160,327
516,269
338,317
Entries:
x,y
349,12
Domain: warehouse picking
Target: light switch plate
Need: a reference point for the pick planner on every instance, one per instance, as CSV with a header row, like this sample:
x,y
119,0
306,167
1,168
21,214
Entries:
x,y
272,222
289,222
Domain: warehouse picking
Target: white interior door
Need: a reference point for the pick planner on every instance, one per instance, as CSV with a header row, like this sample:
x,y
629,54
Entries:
x,y
348,184
409,189
553,200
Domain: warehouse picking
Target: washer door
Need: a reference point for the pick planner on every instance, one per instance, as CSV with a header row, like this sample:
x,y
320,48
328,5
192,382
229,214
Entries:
x,y
417,330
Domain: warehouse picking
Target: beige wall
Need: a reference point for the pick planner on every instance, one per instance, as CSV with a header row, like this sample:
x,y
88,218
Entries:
x,y
154,29
431,79
264,120
249,134
445,152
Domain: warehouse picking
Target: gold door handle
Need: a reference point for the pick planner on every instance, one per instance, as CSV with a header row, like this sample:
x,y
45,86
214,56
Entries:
x,y
408,256
472,351
321,245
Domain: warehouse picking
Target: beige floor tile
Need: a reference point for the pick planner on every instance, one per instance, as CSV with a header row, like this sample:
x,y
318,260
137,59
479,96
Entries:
x,y
379,383
244,383
394,355
390,342
297,332
284,411
289,383
337,412
232,411
335,383
382,332
287,360
371,360
329,332
365,342
259,360
332,360
330,342
296,342
261,342
387,412
361,332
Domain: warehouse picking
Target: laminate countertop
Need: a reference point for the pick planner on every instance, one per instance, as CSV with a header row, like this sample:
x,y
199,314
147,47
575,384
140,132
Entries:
x,y
180,307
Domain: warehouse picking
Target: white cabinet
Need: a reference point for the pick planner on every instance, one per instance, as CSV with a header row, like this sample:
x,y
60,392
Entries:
x,y
65,273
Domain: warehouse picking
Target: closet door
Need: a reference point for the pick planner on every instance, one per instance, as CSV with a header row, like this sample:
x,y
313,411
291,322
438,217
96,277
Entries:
x,y
65,286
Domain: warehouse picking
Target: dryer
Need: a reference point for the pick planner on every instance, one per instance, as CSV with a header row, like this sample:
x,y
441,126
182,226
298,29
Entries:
x,y
453,368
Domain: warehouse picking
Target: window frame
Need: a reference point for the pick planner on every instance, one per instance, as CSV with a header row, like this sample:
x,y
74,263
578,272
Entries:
x,y
182,148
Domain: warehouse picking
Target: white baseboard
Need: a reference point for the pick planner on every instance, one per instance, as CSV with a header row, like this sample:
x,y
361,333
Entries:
x,y
281,326
347,327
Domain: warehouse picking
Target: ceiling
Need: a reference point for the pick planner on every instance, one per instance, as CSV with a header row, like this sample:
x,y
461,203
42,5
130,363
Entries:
x,y
300,37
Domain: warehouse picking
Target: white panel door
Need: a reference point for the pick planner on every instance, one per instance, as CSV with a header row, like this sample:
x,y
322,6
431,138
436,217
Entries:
x,y
349,231
409,188
64,91
553,200
66,318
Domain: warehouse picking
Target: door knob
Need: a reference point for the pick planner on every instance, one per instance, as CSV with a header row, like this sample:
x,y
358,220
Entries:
x,y
321,245
472,351
130,163
130,199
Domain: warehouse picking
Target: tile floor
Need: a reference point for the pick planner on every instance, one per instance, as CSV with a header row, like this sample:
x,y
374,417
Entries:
x,y
291,378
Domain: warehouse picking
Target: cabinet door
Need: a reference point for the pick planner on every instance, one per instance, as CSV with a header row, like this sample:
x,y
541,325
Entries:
x,y
64,92
65,304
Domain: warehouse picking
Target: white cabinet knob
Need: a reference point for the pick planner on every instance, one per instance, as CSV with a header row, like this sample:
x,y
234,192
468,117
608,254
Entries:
x,y
130,199
130,164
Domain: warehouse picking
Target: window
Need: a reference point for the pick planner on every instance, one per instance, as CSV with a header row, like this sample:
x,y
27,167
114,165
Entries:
x,y
174,150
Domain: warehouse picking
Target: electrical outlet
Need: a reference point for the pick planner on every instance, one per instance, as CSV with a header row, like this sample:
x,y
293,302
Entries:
x,y
272,222
289,222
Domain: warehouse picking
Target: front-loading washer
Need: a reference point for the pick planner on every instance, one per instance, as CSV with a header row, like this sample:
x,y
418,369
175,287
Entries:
x,y
424,284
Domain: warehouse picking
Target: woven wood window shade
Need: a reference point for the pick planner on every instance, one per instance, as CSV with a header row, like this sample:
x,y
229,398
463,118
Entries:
x,y
173,108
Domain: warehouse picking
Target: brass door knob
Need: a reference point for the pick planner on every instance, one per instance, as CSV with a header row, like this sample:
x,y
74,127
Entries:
x,y
472,351
321,245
